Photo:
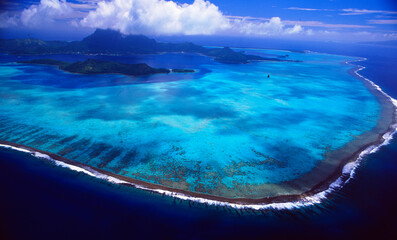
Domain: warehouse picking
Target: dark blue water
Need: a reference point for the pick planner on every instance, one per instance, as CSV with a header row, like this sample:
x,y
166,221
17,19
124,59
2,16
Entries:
x,y
39,200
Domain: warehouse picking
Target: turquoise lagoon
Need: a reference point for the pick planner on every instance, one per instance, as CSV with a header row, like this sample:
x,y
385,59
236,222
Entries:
x,y
227,130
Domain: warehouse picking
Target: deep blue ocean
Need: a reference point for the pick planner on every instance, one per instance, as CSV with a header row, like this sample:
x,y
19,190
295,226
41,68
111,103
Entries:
x,y
41,201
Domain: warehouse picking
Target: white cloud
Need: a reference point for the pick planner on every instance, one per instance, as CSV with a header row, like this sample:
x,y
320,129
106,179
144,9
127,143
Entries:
x,y
294,30
45,13
325,25
308,9
170,18
338,36
274,26
84,6
354,11
302,23
6,20
392,36
383,21
157,17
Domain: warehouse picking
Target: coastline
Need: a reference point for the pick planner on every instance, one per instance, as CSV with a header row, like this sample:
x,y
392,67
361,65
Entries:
x,y
99,67
340,175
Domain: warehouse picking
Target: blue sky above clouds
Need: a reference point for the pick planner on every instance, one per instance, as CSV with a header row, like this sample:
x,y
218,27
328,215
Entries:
x,y
329,20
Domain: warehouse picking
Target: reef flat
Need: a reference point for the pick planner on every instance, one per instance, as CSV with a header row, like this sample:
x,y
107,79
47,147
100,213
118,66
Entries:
x,y
231,134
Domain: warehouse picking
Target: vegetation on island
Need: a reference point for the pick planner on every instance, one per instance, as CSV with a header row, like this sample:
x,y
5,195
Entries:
x,y
94,66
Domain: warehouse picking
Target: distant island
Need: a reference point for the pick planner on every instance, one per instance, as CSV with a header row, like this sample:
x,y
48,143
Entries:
x,y
110,42
93,66
179,70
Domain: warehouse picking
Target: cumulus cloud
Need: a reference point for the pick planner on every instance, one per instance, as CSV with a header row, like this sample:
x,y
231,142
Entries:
x,y
153,17
295,29
157,17
169,17
7,20
45,13
274,26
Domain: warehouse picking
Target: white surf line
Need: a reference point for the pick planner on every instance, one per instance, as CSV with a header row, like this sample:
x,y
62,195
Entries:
x,y
307,201
349,169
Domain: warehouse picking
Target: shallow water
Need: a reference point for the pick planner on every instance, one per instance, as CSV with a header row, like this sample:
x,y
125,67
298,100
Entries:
x,y
53,202
226,130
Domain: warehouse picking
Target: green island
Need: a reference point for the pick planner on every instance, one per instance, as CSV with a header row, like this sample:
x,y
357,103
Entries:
x,y
98,43
94,66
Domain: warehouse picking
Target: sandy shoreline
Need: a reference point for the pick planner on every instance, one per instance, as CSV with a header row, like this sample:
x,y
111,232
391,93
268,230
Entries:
x,y
334,179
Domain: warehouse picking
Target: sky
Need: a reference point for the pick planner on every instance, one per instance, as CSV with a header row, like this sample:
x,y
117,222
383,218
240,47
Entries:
x,y
325,20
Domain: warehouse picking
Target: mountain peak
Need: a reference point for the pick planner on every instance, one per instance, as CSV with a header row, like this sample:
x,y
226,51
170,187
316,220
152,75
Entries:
x,y
104,34
111,40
